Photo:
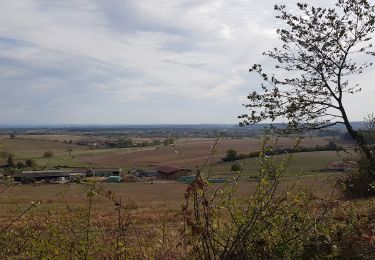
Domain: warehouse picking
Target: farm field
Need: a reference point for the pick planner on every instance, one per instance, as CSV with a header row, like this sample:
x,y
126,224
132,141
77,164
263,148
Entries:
x,y
190,152
156,197
187,152
50,137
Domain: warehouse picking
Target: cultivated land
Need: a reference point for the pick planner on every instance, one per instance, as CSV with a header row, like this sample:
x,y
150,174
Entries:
x,y
151,211
187,152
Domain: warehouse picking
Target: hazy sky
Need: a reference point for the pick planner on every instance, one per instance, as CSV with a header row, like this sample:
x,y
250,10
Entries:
x,y
136,62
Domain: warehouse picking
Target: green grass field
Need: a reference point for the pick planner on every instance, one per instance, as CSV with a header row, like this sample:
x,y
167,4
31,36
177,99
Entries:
x,y
24,149
309,163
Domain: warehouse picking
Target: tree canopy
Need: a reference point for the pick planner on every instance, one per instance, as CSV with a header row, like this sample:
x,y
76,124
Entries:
x,y
320,51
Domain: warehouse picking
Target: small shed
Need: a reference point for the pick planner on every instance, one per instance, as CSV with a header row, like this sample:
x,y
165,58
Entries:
x,y
172,173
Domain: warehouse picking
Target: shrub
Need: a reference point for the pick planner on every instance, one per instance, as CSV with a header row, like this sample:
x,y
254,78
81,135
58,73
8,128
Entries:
x,y
10,161
235,167
360,181
270,224
20,165
169,141
125,143
48,154
30,163
231,155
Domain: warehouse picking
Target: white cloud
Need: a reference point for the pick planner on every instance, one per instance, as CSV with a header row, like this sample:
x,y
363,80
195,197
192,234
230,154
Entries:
x,y
85,61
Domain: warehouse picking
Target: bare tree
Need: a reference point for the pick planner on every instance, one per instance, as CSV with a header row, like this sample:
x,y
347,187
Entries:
x,y
318,52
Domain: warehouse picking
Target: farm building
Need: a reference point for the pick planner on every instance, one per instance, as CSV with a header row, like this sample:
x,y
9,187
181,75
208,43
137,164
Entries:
x,y
32,176
105,172
143,173
172,173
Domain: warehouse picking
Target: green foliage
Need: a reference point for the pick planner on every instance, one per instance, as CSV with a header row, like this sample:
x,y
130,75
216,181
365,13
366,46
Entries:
x,y
169,141
268,225
48,154
231,155
30,163
155,142
125,143
312,97
10,161
3,152
20,165
331,146
235,167
152,143
320,67
358,182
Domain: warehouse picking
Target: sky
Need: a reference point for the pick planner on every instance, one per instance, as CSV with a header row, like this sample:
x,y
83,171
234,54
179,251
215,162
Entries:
x,y
137,61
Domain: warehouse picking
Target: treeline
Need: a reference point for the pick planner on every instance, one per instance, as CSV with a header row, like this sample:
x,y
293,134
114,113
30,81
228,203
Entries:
x,y
128,142
369,136
231,155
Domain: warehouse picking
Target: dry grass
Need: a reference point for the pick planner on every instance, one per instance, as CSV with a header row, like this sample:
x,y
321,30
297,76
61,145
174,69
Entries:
x,y
153,198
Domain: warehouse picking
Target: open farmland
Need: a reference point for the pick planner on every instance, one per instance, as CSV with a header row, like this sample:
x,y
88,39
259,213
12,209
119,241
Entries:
x,y
187,152
307,163
34,147
136,196
51,137
63,154
195,152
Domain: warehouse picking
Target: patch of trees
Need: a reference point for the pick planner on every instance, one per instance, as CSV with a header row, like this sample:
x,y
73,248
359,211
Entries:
x,y
231,155
48,154
128,143
125,143
149,143
368,135
235,167
11,163
169,141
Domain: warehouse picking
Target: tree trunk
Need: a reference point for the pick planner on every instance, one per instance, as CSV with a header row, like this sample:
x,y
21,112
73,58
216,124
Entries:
x,y
361,142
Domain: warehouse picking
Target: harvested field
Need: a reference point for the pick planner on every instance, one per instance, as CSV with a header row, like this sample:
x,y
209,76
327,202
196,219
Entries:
x,y
190,152
187,152
35,148
158,196
52,137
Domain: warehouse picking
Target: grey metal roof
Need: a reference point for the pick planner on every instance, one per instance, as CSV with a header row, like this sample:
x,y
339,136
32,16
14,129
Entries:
x,y
35,174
